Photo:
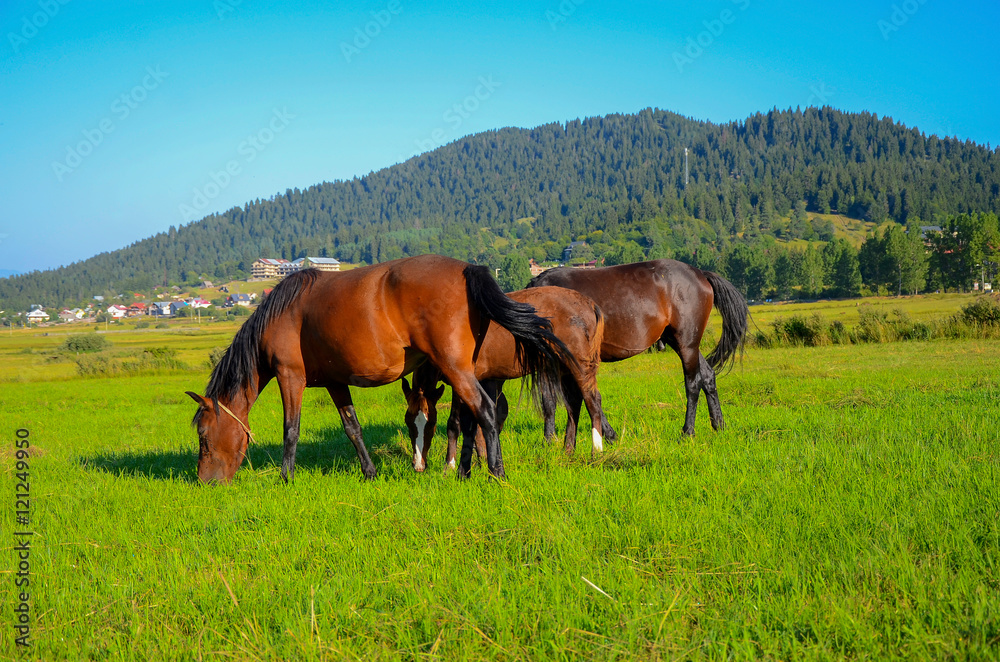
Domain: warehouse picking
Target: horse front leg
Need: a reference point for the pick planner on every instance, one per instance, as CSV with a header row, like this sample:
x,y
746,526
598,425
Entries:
x,y
291,384
345,405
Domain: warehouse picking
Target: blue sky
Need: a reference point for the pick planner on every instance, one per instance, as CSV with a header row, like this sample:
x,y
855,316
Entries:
x,y
120,119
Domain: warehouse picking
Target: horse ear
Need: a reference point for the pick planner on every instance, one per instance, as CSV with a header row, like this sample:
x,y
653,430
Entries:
x,y
438,393
202,402
406,388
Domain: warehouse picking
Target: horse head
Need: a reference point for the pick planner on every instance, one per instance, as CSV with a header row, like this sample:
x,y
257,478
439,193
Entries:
x,y
421,418
222,440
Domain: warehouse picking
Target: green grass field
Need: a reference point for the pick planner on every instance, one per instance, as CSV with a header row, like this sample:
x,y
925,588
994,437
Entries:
x,y
849,510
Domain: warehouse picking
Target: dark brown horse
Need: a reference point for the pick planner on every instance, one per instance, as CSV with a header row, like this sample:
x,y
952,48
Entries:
x,y
365,327
576,321
663,300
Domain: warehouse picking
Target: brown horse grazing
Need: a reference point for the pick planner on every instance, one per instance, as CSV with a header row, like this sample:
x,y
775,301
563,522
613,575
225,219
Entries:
x,y
662,300
576,321
365,327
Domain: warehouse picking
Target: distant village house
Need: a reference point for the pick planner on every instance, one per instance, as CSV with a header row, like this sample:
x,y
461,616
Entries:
x,y
266,267
275,268
160,308
241,300
536,269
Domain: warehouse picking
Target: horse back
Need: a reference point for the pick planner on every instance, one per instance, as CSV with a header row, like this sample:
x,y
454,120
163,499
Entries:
x,y
640,301
372,325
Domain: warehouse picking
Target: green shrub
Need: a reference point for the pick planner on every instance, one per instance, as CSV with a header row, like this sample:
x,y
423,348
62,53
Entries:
x,y
85,342
984,310
142,325
800,330
839,334
873,325
162,325
150,359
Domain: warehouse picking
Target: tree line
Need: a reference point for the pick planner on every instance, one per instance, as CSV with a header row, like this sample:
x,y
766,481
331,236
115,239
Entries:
x,y
893,260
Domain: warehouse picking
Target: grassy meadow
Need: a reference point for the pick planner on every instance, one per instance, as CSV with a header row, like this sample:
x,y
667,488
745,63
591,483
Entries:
x,y
850,509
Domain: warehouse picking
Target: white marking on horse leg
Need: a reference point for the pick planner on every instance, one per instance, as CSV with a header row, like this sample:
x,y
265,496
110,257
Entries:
x,y
598,440
452,463
418,461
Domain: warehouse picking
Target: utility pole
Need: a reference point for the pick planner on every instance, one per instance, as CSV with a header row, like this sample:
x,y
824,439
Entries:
x,y
685,168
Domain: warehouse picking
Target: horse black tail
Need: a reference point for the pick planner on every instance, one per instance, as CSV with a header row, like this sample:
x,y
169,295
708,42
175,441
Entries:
x,y
735,313
541,354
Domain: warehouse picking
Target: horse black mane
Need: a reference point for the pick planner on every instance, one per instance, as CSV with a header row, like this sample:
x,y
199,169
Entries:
x,y
238,366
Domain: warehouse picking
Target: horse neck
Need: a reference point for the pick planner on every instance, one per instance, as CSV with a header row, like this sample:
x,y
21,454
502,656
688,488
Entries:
x,y
243,401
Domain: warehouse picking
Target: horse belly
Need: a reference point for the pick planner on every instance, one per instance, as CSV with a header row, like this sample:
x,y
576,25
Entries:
x,y
356,357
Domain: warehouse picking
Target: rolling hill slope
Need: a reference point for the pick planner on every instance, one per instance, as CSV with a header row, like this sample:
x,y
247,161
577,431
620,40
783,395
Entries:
x,y
604,178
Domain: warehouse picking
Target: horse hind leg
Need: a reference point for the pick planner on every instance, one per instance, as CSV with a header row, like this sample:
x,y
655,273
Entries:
x,y
492,389
345,405
454,429
592,398
691,362
549,398
692,386
606,429
711,394
478,408
601,430
573,397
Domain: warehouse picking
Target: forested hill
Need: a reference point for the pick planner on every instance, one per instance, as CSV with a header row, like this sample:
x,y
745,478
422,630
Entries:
x,y
608,179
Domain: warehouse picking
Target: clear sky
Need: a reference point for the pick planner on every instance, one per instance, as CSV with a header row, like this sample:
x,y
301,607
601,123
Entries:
x,y
119,119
